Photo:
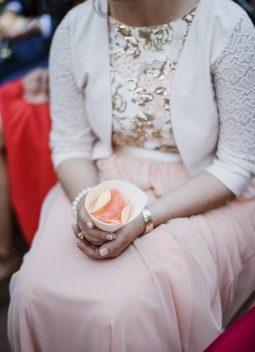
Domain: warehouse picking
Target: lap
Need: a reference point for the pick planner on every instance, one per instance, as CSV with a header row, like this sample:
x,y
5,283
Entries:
x,y
212,248
55,256
178,278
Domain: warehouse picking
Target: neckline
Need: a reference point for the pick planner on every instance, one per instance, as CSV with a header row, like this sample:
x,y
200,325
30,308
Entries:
x,y
114,20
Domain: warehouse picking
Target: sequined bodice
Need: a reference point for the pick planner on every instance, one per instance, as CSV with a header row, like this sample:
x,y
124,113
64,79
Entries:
x,y
142,94
143,64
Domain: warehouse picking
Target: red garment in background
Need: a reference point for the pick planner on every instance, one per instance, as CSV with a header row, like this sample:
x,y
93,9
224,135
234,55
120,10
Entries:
x,y
26,136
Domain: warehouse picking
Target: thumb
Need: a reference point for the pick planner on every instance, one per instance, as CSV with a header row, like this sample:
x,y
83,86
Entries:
x,y
85,220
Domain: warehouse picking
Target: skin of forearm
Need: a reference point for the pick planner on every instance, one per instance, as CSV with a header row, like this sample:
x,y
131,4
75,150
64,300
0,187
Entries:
x,y
200,194
75,175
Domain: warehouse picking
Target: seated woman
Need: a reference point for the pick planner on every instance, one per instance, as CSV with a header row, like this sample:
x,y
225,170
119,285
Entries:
x,y
163,97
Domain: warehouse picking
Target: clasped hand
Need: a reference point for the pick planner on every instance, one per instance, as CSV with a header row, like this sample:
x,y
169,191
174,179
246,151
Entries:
x,y
99,244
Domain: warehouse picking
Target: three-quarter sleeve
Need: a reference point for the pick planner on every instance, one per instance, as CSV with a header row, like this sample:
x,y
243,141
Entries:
x,y
234,81
71,136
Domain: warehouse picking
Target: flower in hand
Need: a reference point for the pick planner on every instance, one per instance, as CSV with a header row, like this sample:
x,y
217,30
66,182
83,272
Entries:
x,y
87,230
110,218
124,237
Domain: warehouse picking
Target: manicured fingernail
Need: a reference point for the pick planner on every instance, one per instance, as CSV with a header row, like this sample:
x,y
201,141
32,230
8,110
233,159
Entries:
x,y
80,244
103,252
90,224
110,237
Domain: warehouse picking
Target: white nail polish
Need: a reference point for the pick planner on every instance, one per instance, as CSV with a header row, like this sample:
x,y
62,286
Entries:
x,y
103,252
90,225
109,237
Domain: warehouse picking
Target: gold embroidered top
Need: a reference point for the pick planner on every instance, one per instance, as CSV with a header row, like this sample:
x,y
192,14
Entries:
x,y
143,64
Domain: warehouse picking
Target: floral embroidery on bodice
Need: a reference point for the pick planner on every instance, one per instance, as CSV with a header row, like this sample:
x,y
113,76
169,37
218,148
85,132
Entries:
x,y
143,64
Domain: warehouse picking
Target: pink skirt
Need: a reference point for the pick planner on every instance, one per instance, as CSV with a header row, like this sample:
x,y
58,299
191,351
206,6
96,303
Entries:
x,y
172,290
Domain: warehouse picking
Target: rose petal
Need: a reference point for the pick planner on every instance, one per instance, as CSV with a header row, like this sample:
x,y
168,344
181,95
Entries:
x,y
103,199
126,212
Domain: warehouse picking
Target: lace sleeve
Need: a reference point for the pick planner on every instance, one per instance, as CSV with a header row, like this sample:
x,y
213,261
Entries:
x,y
71,136
234,82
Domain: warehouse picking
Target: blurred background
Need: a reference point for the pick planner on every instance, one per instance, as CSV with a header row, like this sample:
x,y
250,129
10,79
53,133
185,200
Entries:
x,y
26,173
26,31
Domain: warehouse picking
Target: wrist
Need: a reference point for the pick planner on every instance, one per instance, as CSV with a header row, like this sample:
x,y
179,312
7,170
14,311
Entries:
x,y
158,217
140,225
81,204
148,220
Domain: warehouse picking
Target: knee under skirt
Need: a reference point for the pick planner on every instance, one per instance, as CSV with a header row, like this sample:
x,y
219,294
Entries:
x,y
172,290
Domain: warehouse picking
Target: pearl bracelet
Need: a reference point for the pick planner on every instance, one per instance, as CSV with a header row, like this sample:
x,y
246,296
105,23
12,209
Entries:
x,y
77,200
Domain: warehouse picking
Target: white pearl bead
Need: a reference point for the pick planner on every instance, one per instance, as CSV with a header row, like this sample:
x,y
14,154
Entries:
x,y
77,200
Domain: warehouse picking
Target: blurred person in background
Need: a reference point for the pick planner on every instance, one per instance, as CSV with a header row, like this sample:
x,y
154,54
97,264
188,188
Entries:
x,y
26,30
24,132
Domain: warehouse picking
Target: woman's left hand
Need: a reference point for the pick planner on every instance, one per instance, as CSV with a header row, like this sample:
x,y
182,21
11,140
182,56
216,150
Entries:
x,y
125,236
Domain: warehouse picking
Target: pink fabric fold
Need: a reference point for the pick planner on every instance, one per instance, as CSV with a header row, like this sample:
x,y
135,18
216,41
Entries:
x,y
172,290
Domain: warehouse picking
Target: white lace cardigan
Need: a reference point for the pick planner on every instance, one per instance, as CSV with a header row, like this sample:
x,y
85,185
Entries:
x,y
213,100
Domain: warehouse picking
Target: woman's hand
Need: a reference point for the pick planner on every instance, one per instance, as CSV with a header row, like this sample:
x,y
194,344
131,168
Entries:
x,y
15,27
125,236
36,86
88,229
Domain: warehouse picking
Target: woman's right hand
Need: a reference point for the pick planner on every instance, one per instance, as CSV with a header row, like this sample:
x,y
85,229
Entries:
x,y
88,228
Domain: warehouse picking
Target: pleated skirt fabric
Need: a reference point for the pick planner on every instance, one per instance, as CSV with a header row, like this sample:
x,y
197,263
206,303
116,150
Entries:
x,y
172,290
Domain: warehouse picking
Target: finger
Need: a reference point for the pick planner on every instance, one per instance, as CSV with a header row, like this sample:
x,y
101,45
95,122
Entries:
x,y
114,248
101,235
88,226
76,229
94,240
83,225
88,250
84,220
79,234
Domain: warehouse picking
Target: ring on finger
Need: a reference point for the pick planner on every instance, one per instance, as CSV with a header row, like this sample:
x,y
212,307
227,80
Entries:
x,y
80,236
